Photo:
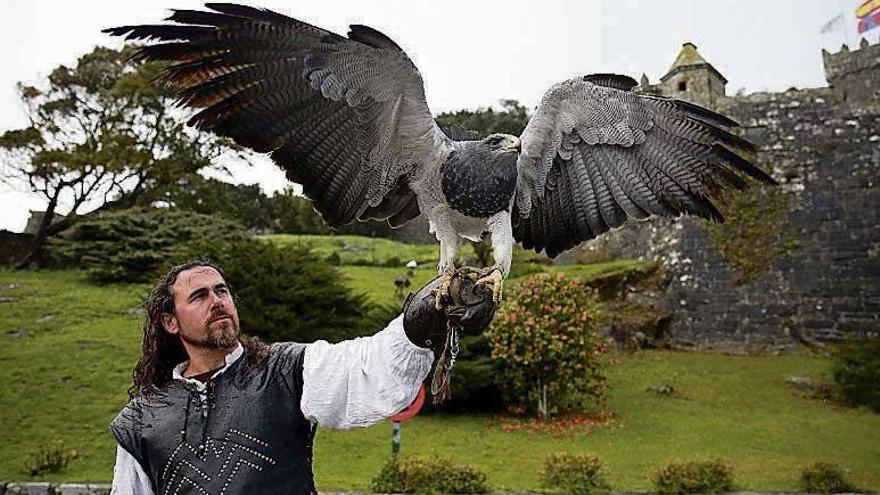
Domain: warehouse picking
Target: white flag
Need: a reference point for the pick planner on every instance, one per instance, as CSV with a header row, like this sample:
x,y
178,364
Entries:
x,y
833,24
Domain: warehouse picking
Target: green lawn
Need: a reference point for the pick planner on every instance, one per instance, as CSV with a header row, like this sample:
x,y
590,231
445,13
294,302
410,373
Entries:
x,y
735,407
67,348
378,281
354,249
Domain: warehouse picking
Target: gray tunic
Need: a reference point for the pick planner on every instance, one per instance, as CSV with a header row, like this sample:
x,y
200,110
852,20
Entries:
x,y
244,434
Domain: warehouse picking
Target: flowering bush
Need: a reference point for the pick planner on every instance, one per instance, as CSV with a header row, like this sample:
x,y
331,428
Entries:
x,y
714,476
576,474
544,334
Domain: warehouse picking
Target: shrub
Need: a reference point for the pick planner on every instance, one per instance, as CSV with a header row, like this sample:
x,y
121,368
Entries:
x,y
134,245
823,477
714,476
581,474
523,269
389,479
333,259
393,262
431,474
554,361
474,387
50,458
756,231
856,371
289,294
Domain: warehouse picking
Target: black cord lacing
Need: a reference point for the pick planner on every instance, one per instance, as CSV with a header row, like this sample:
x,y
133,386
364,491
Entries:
x,y
186,416
209,395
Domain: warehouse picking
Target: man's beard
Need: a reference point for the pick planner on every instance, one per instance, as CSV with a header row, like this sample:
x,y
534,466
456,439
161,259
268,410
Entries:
x,y
222,334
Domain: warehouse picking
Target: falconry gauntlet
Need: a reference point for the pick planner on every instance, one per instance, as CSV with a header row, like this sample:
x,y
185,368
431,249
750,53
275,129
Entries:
x,y
466,307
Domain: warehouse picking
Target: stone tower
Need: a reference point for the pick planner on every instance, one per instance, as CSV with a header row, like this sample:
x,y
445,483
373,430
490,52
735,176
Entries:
x,y
855,75
693,79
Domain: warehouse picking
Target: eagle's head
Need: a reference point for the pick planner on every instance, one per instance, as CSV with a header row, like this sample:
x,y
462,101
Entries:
x,y
496,150
502,144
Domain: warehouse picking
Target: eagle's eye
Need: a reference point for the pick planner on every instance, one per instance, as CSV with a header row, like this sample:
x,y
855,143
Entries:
x,y
495,141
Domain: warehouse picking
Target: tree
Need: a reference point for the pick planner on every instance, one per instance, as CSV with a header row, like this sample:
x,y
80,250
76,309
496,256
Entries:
x,y
246,204
294,214
284,212
511,119
100,136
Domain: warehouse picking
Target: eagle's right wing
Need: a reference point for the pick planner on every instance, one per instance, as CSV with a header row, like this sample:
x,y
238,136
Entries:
x,y
596,153
345,117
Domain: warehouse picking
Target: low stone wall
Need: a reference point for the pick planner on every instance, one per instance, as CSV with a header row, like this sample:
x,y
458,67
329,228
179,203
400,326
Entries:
x,y
45,488
86,489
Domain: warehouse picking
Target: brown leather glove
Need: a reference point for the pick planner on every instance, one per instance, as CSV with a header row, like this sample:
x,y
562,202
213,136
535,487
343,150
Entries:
x,y
469,306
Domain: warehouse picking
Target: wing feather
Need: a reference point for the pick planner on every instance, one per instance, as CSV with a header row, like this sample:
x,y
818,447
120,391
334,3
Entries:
x,y
583,198
603,208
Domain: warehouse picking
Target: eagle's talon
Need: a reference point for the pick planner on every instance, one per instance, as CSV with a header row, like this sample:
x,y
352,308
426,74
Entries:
x,y
443,289
495,278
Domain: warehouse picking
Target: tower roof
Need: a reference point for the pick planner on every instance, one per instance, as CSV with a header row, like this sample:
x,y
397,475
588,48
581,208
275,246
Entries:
x,y
688,56
688,59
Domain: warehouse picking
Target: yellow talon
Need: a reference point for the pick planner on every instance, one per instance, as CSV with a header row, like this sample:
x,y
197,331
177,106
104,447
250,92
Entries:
x,y
497,280
443,289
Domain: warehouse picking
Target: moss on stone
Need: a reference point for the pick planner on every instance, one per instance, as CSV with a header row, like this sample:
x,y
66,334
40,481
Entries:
x,y
755,232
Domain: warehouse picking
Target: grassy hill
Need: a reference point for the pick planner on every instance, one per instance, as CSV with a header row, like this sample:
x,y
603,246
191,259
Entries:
x,y
372,264
67,348
357,250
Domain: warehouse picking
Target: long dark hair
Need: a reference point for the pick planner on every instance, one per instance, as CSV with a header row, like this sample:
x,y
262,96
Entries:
x,y
162,351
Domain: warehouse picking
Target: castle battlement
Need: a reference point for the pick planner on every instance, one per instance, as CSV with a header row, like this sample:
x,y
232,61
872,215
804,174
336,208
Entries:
x,y
855,74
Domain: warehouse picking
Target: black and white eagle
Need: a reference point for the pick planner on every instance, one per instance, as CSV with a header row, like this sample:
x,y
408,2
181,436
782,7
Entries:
x,y
347,118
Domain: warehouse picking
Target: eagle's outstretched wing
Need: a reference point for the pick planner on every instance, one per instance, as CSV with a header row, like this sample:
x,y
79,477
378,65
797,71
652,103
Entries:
x,y
345,117
596,153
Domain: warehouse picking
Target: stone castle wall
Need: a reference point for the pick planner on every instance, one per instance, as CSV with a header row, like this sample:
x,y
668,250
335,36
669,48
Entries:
x,y
854,74
824,284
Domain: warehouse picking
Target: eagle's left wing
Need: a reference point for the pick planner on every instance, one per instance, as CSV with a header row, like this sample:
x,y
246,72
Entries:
x,y
596,153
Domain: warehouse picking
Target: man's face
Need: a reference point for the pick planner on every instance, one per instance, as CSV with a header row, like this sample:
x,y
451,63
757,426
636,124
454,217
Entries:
x,y
204,313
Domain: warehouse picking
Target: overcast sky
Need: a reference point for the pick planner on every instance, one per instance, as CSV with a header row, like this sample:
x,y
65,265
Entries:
x,y
471,53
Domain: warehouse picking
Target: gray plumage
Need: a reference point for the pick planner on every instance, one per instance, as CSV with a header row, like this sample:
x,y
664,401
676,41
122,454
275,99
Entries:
x,y
346,117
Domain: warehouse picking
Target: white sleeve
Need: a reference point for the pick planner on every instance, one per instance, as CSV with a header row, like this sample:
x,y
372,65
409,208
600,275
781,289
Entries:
x,y
129,477
362,381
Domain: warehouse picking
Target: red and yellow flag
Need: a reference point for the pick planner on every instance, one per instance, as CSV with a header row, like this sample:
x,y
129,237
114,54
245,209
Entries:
x,y
867,7
868,14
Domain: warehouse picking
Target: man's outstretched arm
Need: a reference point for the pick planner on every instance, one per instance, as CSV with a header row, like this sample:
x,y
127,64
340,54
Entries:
x,y
362,381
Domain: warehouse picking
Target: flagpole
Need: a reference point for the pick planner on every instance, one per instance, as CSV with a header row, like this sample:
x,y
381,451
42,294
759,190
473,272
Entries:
x,y
846,32
838,22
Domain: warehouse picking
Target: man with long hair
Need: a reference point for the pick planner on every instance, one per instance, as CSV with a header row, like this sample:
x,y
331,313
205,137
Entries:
x,y
214,412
